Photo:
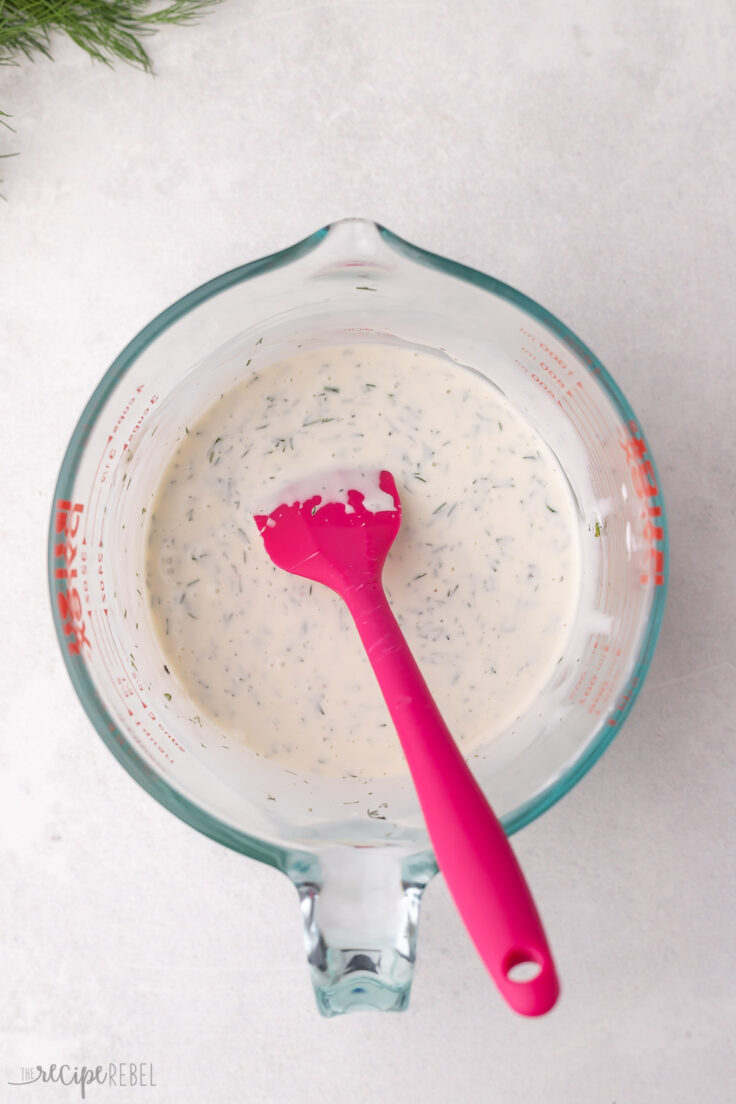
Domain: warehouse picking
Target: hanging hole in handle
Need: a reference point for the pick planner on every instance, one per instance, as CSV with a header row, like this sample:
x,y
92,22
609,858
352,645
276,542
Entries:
x,y
522,967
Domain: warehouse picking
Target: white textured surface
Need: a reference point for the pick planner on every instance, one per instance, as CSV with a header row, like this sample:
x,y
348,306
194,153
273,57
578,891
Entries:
x,y
582,151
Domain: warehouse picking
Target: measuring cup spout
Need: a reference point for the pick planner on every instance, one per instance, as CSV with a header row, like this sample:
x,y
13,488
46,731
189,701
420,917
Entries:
x,y
360,909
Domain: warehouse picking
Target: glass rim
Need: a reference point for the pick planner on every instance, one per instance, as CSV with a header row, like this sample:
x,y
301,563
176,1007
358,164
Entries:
x,y
153,783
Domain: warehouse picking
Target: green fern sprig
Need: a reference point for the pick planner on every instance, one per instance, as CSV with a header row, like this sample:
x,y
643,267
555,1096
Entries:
x,y
108,30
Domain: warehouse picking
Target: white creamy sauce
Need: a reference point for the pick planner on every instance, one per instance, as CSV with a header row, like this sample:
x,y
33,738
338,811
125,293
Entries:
x,y
484,576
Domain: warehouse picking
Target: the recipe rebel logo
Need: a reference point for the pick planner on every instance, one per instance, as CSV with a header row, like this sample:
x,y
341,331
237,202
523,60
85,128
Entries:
x,y
115,1075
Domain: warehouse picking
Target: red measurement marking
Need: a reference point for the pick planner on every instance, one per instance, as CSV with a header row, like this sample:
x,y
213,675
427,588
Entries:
x,y
152,739
625,699
552,355
606,653
69,603
126,409
535,377
131,677
604,692
162,728
597,687
644,482
564,369
144,414
557,376
83,571
101,576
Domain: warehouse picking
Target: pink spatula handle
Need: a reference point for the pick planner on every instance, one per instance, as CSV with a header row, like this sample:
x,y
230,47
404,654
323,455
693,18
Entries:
x,y
470,845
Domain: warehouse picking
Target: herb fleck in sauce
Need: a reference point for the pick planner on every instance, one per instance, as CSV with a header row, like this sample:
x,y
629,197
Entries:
x,y
483,577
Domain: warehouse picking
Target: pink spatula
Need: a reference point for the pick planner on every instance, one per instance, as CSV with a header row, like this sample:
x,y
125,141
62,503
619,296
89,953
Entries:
x,y
339,534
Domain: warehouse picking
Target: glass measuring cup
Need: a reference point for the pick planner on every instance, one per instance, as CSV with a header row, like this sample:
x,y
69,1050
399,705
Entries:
x,y
359,874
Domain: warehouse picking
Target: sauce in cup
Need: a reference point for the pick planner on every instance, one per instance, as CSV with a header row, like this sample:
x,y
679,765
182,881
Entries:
x,y
484,576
